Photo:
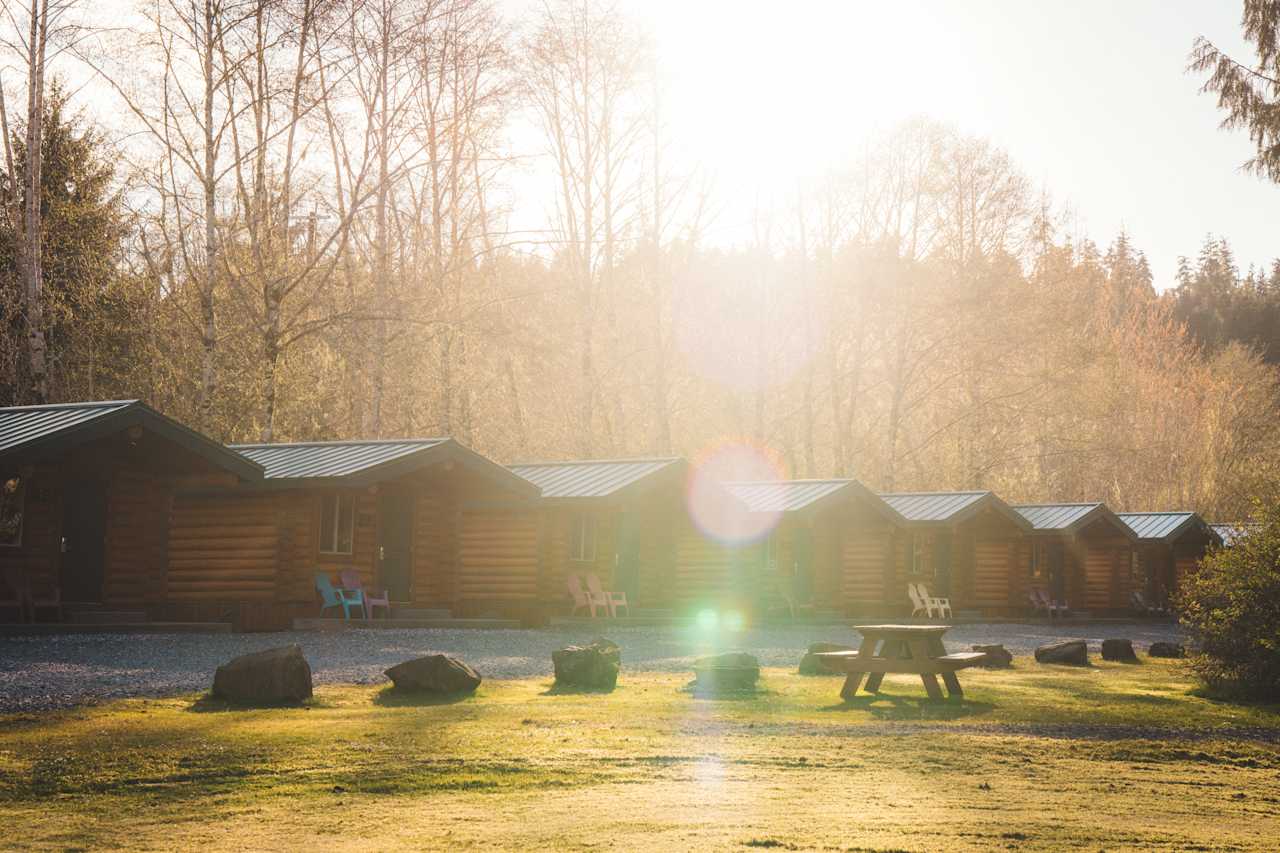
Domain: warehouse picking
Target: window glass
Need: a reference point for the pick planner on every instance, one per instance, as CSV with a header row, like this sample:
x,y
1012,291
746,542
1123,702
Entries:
x,y
582,538
12,490
920,553
337,524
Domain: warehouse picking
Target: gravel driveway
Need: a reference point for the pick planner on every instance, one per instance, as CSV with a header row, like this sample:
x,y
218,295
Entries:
x,y
61,671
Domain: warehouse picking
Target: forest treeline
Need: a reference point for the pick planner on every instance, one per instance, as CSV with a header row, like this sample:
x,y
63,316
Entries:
x,y
304,235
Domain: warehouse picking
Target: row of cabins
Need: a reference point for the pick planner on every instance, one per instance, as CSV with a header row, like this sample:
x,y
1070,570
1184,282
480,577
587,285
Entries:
x,y
116,504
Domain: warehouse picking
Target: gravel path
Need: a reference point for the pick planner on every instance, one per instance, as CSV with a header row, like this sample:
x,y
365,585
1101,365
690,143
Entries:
x,y
38,673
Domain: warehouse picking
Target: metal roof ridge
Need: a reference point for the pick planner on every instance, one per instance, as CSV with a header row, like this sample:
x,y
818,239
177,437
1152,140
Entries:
x,y
785,482
550,463
934,494
1161,512
1068,503
92,404
347,442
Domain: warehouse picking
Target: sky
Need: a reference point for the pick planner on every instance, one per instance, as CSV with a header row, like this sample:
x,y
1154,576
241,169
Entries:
x,y
1090,98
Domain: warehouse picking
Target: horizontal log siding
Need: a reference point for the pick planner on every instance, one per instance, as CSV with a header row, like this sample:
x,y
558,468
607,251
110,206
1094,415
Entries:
x,y
865,553
498,555
703,569
432,581
223,548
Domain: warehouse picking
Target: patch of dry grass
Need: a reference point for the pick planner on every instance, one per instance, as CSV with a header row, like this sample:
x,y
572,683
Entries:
x,y
1108,757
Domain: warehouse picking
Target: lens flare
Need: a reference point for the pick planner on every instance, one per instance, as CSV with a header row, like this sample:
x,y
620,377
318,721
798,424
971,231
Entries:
x,y
708,620
717,513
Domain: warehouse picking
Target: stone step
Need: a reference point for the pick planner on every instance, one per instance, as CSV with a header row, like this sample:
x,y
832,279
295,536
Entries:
x,y
60,628
420,613
312,623
106,617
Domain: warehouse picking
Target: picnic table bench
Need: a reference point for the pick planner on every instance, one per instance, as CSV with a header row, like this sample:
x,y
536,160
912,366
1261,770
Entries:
x,y
912,649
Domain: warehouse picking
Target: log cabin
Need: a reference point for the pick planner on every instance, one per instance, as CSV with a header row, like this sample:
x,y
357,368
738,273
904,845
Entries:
x,y
428,520
616,519
964,546
829,546
1081,554
1170,545
86,491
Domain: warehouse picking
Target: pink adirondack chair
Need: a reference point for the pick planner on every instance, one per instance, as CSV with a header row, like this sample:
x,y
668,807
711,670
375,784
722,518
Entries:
x,y
613,600
583,599
351,580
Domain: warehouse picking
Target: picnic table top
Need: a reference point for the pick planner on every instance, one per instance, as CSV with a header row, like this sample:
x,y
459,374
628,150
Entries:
x,y
902,629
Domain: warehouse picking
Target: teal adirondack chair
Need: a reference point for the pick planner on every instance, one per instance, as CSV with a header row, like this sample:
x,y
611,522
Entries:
x,y
331,596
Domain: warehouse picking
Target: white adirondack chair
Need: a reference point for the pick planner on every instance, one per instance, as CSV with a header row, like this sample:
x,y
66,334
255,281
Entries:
x,y
942,605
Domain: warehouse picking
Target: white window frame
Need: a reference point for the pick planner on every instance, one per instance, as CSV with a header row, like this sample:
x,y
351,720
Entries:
x,y
335,500
20,505
582,531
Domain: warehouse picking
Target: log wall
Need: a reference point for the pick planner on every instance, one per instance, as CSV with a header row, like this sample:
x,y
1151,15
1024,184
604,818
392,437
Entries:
x,y
498,556
37,556
223,548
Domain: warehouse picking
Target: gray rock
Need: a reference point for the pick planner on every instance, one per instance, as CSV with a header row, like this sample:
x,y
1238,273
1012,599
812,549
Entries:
x,y
1074,652
434,674
811,664
270,677
726,672
1120,650
1166,650
594,667
997,656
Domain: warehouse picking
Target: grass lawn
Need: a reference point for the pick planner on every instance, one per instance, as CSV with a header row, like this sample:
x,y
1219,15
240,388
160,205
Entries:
x,y
1109,757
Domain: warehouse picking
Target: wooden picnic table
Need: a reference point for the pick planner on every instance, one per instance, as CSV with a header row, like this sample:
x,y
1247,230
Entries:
x,y
903,649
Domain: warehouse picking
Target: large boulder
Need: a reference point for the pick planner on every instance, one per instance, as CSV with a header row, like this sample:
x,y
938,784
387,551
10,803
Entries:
x,y
1074,652
997,656
593,667
1119,650
730,671
434,674
811,664
1166,650
272,677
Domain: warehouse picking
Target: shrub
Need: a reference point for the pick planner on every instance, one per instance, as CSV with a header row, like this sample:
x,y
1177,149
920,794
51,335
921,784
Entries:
x,y
1231,607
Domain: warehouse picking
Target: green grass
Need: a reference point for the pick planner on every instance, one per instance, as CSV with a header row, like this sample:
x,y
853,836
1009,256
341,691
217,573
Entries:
x,y
1109,757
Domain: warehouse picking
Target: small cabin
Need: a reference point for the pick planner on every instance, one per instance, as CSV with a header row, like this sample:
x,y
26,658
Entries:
x,y
828,546
1231,532
1170,545
964,546
1081,554
615,519
428,520
86,494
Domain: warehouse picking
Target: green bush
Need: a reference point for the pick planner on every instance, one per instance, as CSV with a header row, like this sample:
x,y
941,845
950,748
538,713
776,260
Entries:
x,y
1231,607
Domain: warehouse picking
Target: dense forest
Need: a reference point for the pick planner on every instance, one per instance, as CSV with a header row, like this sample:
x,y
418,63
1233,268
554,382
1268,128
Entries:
x,y
306,235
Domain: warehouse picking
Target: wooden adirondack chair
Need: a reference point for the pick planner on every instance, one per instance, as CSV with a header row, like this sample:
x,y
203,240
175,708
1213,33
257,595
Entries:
x,y
942,605
351,580
585,598
331,596
919,604
612,600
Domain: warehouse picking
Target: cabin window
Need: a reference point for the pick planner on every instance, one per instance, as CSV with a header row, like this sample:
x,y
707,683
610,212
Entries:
x,y
920,554
337,523
12,495
1039,561
582,538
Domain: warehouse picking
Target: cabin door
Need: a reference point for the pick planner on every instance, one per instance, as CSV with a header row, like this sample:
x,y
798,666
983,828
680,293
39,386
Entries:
x,y
83,545
1057,572
626,570
942,564
395,533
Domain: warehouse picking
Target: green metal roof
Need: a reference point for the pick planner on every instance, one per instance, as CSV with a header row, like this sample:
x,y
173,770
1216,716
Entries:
x,y
799,495
949,507
1165,526
595,478
31,432
1069,517
354,463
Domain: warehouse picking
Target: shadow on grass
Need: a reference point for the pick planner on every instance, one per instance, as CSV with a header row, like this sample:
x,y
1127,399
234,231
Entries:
x,y
886,707
209,704
558,689
390,697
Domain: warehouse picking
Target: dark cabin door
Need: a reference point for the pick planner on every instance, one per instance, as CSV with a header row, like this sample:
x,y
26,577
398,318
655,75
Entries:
x,y
395,533
1057,572
626,570
84,534
942,564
